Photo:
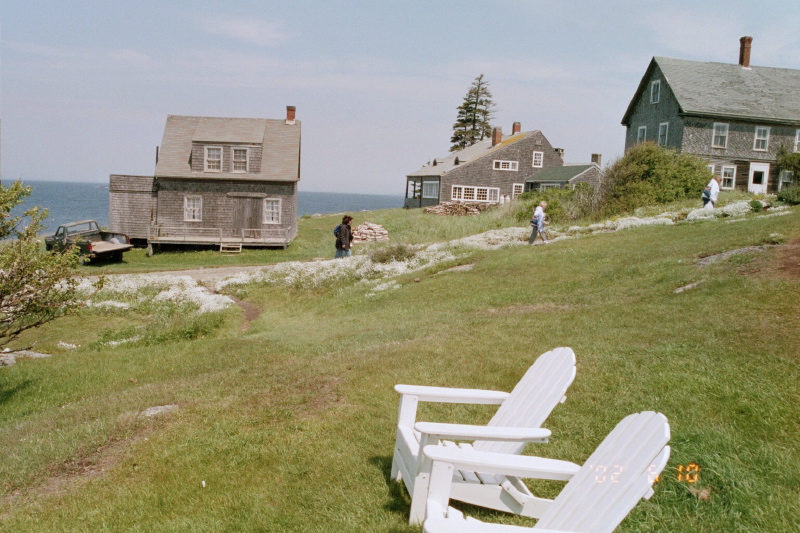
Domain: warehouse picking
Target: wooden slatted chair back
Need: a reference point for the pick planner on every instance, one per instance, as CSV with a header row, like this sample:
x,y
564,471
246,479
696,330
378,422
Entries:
x,y
539,391
614,479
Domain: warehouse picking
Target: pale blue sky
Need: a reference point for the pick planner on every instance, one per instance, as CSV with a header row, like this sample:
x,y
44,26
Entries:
x,y
85,86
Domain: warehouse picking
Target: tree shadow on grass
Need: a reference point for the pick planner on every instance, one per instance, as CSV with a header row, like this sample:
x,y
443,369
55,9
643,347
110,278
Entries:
x,y
8,391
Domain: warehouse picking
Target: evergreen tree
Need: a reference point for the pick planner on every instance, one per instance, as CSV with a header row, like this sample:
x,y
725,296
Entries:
x,y
473,123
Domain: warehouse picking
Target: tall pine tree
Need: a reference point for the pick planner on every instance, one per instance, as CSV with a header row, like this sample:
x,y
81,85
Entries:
x,y
473,123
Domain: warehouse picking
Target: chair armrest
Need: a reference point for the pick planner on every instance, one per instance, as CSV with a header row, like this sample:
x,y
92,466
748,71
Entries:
x,y
458,525
435,430
503,463
448,395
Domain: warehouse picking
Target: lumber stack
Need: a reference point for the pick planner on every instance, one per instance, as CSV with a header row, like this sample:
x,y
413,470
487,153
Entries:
x,y
369,232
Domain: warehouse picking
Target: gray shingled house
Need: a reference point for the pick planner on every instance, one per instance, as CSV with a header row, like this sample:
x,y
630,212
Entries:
x,y
230,182
566,176
487,171
734,116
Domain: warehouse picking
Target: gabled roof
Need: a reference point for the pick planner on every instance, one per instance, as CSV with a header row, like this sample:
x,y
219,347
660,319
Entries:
x,y
280,159
468,155
560,173
728,91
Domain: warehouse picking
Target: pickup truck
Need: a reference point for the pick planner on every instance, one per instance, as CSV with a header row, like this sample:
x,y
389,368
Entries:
x,y
90,239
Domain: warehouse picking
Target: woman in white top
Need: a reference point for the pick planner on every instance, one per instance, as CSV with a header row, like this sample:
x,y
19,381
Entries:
x,y
711,193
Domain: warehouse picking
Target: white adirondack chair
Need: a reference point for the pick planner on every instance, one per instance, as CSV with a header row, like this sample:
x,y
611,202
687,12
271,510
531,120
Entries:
x,y
597,498
517,421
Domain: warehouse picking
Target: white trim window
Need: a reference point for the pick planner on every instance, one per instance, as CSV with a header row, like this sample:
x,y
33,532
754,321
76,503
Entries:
x,y
500,164
655,91
641,134
430,189
719,138
663,132
710,168
797,141
728,177
239,161
761,142
193,208
538,159
517,189
212,161
272,211
475,194
545,186
785,179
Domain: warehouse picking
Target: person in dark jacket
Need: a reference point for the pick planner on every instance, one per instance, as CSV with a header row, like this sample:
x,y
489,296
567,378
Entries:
x,y
344,237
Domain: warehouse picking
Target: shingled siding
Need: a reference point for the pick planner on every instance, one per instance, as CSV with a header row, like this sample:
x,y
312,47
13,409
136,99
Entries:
x,y
652,115
739,150
131,204
254,156
220,199
481,173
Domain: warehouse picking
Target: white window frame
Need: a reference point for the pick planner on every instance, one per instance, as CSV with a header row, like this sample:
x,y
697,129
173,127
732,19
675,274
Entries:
x,y
710,168
468,193
797,141
655,91
720,127
271,215
206,160
545,186
538,159
732,177
764,138
428,186
782,178
663,137
192,208
501,164
641,134
246,151
517,189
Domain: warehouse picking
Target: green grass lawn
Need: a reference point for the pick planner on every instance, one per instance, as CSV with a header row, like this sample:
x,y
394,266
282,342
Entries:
x,y
286,423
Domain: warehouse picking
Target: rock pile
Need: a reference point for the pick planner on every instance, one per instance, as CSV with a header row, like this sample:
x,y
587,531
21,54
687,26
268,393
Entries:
x,y
369,232
458,208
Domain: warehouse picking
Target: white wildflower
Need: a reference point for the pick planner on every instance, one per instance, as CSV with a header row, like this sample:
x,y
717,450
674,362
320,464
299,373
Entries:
x,y
701,214
736,209
68,346
635,222
110,303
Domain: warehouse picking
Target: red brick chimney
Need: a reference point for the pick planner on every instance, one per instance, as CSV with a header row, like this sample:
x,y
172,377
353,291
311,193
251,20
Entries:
x,y
290,112
516,128
497,136
744,51
596,158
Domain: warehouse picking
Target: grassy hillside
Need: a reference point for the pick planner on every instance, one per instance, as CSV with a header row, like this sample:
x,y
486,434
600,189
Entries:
x,y
285,420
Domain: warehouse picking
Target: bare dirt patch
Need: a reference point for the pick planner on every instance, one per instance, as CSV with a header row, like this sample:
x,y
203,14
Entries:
x,y
788,263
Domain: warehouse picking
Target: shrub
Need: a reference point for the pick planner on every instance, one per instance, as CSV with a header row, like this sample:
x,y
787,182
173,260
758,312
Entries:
x,y
558,202
756,206
790,195
652,174
393,252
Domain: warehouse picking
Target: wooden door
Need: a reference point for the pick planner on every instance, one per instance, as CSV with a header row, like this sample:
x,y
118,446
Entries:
x,y
246,215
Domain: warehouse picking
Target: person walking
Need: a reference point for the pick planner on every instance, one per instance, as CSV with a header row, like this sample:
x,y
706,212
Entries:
x,y
711,193
344,237
537,223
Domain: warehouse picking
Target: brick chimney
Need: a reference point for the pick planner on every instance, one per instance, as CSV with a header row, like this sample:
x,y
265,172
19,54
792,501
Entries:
x,y
290,112
597,158
516,128
744,51
497,136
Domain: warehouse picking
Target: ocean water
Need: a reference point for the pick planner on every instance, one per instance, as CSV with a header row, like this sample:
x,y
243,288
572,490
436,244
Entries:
x,y
78,201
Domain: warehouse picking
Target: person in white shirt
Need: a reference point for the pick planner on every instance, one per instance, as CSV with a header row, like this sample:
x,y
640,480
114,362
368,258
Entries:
x,y
537,221
711,193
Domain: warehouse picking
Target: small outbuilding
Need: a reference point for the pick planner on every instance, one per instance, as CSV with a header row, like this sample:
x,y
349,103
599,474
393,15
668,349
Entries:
x,y
230,182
